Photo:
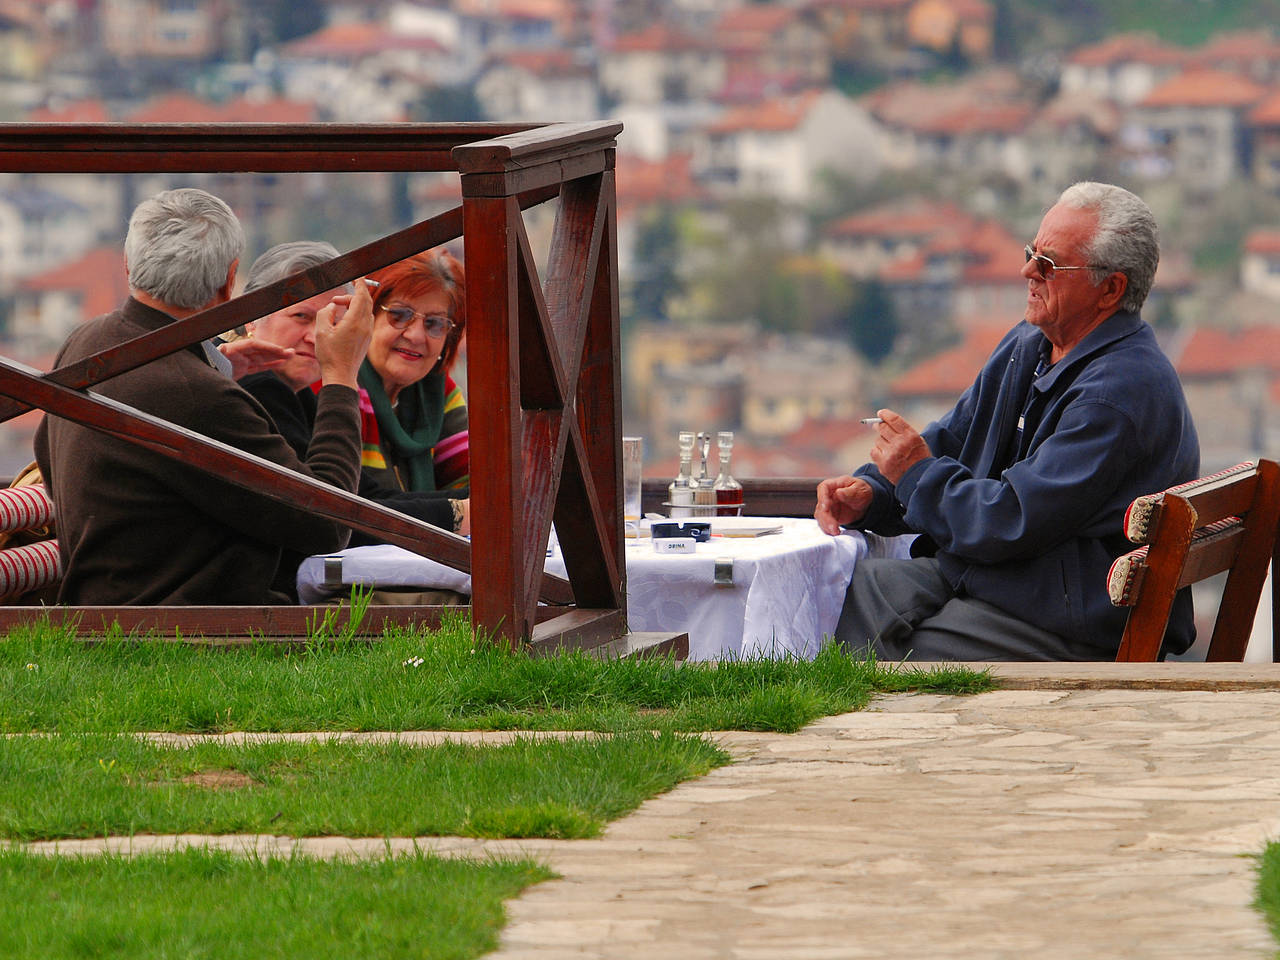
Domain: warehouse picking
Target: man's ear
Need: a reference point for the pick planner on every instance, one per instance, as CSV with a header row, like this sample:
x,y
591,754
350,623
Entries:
x,y
1111,291
229,287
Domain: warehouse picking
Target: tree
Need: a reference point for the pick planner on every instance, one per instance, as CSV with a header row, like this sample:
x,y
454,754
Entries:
x,y
454,104
873,322
656,271
290,19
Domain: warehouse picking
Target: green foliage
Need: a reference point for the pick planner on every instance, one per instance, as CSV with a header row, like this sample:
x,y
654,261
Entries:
x,y
750,272
286,20
1185,22
204,904
657,277
448,104
872,321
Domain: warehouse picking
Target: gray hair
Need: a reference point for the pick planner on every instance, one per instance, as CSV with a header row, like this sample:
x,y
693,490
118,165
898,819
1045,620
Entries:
x,y
1126,240
181,245
285,259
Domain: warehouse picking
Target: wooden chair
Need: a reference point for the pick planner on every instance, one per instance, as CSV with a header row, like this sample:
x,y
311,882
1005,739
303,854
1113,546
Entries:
x,y
1223,522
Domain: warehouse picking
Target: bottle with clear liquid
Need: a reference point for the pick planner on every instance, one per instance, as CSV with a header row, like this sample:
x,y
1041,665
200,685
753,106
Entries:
x,y
704,493
728,490
680,491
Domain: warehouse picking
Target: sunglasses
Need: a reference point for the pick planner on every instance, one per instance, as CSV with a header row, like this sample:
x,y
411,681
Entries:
x,y
1045,267
434,324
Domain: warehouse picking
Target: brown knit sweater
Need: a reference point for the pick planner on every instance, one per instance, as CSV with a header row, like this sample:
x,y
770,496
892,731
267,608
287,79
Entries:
x,y
135,527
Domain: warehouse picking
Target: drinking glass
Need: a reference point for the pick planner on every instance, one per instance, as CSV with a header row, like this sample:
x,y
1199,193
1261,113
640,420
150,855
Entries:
x,y
632,458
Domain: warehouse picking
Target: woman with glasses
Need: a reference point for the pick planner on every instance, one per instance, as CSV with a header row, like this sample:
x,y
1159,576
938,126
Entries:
x,y
287,393
415,437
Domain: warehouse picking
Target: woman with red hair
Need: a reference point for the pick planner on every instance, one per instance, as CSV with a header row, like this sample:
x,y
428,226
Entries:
x,y
415,434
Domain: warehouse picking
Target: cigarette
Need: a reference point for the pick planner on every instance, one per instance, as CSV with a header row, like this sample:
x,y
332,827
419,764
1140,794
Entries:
x,y
373,284
871,421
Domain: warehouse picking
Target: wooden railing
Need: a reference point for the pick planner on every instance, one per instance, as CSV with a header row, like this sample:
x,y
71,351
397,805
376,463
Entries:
x,y
543,369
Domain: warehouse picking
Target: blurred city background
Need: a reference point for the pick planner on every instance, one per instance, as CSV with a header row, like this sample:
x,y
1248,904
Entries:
x,y
822,203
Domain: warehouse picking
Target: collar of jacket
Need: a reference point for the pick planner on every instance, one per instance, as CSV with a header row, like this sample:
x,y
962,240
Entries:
x,y
1119,325
149,318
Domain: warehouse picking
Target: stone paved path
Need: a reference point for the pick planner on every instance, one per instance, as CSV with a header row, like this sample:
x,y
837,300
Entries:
x,y
1013,824
1016,824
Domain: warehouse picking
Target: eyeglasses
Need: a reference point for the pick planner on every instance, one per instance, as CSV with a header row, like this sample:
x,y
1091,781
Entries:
x,y
402,317
1045,266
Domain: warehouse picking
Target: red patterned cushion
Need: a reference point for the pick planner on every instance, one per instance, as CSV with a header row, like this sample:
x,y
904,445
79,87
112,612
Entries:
x,y
23,569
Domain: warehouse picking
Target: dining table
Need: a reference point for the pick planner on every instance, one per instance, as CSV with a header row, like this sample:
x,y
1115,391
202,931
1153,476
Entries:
x,y
758,587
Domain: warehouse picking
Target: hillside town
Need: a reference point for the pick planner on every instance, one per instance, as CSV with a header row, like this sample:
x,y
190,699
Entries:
x,y
821,203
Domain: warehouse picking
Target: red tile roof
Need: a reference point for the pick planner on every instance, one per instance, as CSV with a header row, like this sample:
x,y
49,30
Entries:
x,y
544,62
1264,242
913,218
275,110
1237,47
993,255
1205,88
642,183
979,118
857,5
1266,113
80,111
98,277
1210,352
1067,110
816,435
771,116
972,11
658,38
1122,48
185,108
177,108
760,20
993,101
952,371
358,40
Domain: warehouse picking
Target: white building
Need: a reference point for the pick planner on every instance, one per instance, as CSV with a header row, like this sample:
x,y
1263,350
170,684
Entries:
x,y
778,147
38,229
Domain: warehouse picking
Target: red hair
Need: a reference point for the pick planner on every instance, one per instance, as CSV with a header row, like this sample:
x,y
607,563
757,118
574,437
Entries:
x,y
425,273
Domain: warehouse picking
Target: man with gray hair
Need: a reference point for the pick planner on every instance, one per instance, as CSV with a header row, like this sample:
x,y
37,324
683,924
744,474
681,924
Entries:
x,y
1019,492
135,527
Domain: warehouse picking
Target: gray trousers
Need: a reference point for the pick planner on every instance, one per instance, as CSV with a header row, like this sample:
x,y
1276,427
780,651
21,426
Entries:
x,y
904,609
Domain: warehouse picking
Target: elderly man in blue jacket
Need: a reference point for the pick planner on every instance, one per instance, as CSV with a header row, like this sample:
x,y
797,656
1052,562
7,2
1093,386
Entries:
x,y
1019,492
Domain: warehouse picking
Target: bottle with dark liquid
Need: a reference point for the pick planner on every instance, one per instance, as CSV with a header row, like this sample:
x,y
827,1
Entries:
x,y
728,490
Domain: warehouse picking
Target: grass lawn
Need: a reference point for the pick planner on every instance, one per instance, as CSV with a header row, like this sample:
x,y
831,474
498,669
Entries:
x,y
92,785
1268,899
420,681
88,776
204,904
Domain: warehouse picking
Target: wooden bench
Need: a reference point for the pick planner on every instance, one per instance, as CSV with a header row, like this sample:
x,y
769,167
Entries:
x,y
1223,522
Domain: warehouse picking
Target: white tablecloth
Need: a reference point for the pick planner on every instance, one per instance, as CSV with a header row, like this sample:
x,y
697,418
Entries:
x,y
785,597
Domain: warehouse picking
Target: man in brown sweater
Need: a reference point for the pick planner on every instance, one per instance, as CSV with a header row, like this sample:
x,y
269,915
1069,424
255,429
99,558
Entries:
x,y
135,527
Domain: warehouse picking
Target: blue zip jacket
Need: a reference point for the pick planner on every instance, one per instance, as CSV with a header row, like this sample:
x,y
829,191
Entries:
x,y
1030,520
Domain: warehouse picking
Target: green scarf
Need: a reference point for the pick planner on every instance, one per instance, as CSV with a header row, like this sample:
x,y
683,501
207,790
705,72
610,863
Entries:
x,y
410,430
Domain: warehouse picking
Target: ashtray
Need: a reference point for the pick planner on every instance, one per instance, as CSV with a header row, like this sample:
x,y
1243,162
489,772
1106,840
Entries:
x,y
699,530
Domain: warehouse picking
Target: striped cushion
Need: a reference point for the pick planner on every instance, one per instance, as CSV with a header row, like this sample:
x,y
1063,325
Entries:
x,y
23,569
24,508
1124,579
1137,519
